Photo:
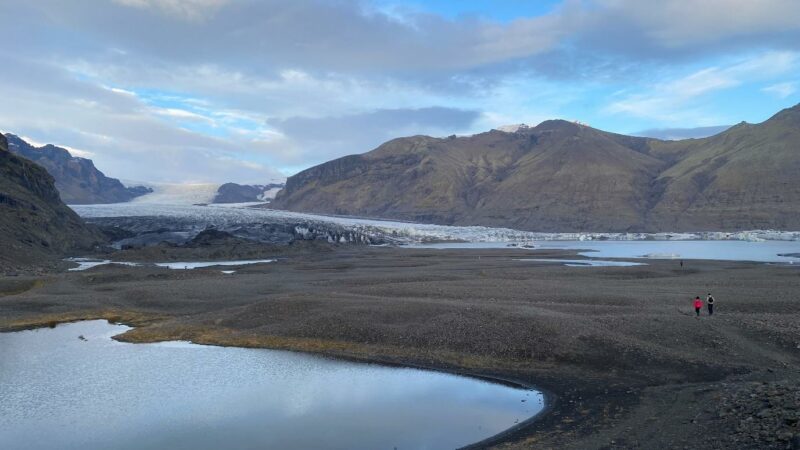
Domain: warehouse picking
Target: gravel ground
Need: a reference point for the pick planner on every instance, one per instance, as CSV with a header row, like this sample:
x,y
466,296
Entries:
x,y
618,351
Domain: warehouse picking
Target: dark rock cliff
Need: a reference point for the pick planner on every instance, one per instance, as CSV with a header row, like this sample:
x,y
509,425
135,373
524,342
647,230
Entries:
x,y
241,193
35,225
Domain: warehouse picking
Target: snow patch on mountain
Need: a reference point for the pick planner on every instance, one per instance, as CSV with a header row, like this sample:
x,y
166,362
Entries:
x,y
513,128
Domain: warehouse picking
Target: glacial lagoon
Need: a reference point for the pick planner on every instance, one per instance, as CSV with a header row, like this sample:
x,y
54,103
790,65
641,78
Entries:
x,y
721,250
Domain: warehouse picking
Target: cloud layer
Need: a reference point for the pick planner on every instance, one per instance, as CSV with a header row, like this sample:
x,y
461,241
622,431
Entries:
x,y
221,90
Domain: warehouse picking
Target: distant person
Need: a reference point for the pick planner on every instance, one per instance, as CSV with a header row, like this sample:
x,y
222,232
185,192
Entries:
x,y
710,304
681,264
698,305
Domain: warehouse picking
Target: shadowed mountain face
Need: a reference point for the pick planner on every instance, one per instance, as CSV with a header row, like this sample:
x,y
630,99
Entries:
x,y
561,176
34,222
77,179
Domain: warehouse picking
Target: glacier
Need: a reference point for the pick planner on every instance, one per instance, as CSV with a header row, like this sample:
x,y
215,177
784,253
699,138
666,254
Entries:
x,y
241,217
152,223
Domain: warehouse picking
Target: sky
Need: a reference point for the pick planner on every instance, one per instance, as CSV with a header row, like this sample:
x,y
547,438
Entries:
x,y
251,91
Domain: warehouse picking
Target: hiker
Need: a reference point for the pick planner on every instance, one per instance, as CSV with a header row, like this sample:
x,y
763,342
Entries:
x,y
681,264
698,305
710,304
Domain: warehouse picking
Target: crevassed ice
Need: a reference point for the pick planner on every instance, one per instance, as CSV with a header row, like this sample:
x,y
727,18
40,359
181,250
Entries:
x,y
402,231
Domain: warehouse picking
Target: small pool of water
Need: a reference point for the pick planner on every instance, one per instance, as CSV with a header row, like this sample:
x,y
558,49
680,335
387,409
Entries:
x,y
584,262
88,263
197,265
73,387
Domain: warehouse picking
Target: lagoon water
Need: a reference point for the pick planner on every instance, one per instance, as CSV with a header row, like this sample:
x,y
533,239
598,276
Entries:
x,y
73,387
767,251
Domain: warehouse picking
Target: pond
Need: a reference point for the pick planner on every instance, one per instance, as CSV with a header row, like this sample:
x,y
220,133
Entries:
x,y
73,387
88,263
582,262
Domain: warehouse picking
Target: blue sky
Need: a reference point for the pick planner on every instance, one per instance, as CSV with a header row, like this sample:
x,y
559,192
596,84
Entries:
x,y
254,90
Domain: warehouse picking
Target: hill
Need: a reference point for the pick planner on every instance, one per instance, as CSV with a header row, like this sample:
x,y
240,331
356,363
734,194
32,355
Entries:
x,y
563,176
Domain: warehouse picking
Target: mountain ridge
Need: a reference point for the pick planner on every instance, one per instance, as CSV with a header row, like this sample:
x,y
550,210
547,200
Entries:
x,y
77,179
565,176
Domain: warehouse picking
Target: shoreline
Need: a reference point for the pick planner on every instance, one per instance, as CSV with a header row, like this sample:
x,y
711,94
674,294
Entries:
x,y
548,398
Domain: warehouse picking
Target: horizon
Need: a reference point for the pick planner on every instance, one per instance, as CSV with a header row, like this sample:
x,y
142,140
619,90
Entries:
x,y
214,91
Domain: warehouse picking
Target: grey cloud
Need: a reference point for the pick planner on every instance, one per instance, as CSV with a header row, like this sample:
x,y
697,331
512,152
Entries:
x,y
670,30
260,37
326,137
235,54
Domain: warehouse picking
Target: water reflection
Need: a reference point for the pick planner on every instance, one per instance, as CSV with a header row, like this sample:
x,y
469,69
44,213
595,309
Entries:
x,y
59,391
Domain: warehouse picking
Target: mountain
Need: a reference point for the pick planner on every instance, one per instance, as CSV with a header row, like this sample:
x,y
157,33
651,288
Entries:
x,y
564,176
77,179
239,193
743,178
34,223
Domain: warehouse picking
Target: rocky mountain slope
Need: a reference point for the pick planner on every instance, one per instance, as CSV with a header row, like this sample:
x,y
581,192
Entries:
x,y
743,178
563,176
35,225
77,179
241,193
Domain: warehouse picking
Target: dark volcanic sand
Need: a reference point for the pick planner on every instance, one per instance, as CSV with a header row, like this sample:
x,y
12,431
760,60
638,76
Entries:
x,y
618,349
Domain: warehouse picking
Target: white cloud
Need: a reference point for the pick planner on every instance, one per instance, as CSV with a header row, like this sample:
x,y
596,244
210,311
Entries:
x,y
121,91
782,90
125,137
183,114
680,100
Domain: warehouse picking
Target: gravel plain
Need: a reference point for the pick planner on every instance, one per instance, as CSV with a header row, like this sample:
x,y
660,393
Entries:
x,y
617,350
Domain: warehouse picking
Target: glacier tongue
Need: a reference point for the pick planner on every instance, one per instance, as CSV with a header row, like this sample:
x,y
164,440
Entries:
x,y
257,223
178,194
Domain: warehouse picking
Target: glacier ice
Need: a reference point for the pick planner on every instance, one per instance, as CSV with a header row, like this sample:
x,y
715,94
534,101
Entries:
x,y
353,229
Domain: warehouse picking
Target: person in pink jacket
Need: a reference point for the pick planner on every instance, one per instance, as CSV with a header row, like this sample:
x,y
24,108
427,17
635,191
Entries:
x,y
698,305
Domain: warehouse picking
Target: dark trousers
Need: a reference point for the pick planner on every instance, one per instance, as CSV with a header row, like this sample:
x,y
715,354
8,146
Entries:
x,y
710,309
697,310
